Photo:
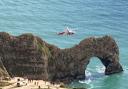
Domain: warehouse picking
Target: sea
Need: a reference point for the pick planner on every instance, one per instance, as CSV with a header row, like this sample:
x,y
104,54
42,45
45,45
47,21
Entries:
x,y
45,18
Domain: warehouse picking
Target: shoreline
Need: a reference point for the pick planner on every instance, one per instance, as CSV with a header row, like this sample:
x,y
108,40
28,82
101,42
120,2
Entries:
x,y
32,84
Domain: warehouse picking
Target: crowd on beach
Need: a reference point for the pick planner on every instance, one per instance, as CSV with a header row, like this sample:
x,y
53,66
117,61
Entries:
x,y
37,83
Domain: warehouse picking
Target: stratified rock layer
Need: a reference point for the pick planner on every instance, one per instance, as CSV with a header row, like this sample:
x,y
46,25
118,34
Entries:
x,y
29,56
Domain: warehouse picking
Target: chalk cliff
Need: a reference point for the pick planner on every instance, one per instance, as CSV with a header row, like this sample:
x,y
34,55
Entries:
x,y
29,56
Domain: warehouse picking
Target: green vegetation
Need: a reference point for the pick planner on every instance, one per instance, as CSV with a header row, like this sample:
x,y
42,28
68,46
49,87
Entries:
x,y
13,43
45,54
44,49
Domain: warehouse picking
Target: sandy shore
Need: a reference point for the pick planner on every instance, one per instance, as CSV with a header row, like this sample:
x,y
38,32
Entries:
x,y
33,84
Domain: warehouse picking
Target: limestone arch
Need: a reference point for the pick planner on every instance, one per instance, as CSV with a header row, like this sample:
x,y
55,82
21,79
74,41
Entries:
x,y
62,64
104,48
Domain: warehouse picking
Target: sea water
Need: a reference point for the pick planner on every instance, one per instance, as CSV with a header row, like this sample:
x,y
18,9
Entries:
x,y
45,18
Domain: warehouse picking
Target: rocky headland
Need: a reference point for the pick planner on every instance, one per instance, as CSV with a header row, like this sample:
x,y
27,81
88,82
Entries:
x,y
31,57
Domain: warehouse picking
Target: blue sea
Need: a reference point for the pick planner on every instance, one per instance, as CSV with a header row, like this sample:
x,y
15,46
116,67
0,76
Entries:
x,y
45,18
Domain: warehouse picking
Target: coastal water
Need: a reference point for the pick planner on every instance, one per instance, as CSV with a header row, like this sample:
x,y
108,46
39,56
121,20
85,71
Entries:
x,y
87,17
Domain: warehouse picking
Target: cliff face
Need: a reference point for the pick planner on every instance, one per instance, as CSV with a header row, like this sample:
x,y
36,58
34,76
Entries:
x,y
29,56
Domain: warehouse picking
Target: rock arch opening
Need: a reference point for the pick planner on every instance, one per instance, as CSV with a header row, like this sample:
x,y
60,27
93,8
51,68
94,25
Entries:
x,y
94,69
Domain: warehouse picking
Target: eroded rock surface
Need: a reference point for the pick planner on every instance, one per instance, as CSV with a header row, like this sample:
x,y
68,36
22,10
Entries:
x,y
29,56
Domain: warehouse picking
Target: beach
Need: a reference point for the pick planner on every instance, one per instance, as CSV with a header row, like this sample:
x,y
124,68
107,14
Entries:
x,y
31,84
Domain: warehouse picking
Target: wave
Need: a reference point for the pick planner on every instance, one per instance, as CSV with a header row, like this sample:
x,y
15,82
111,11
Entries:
x,y
93,74
88,79
100,69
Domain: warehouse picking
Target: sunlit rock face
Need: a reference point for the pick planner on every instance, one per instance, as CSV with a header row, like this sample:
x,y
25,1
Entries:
x,y
29,56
